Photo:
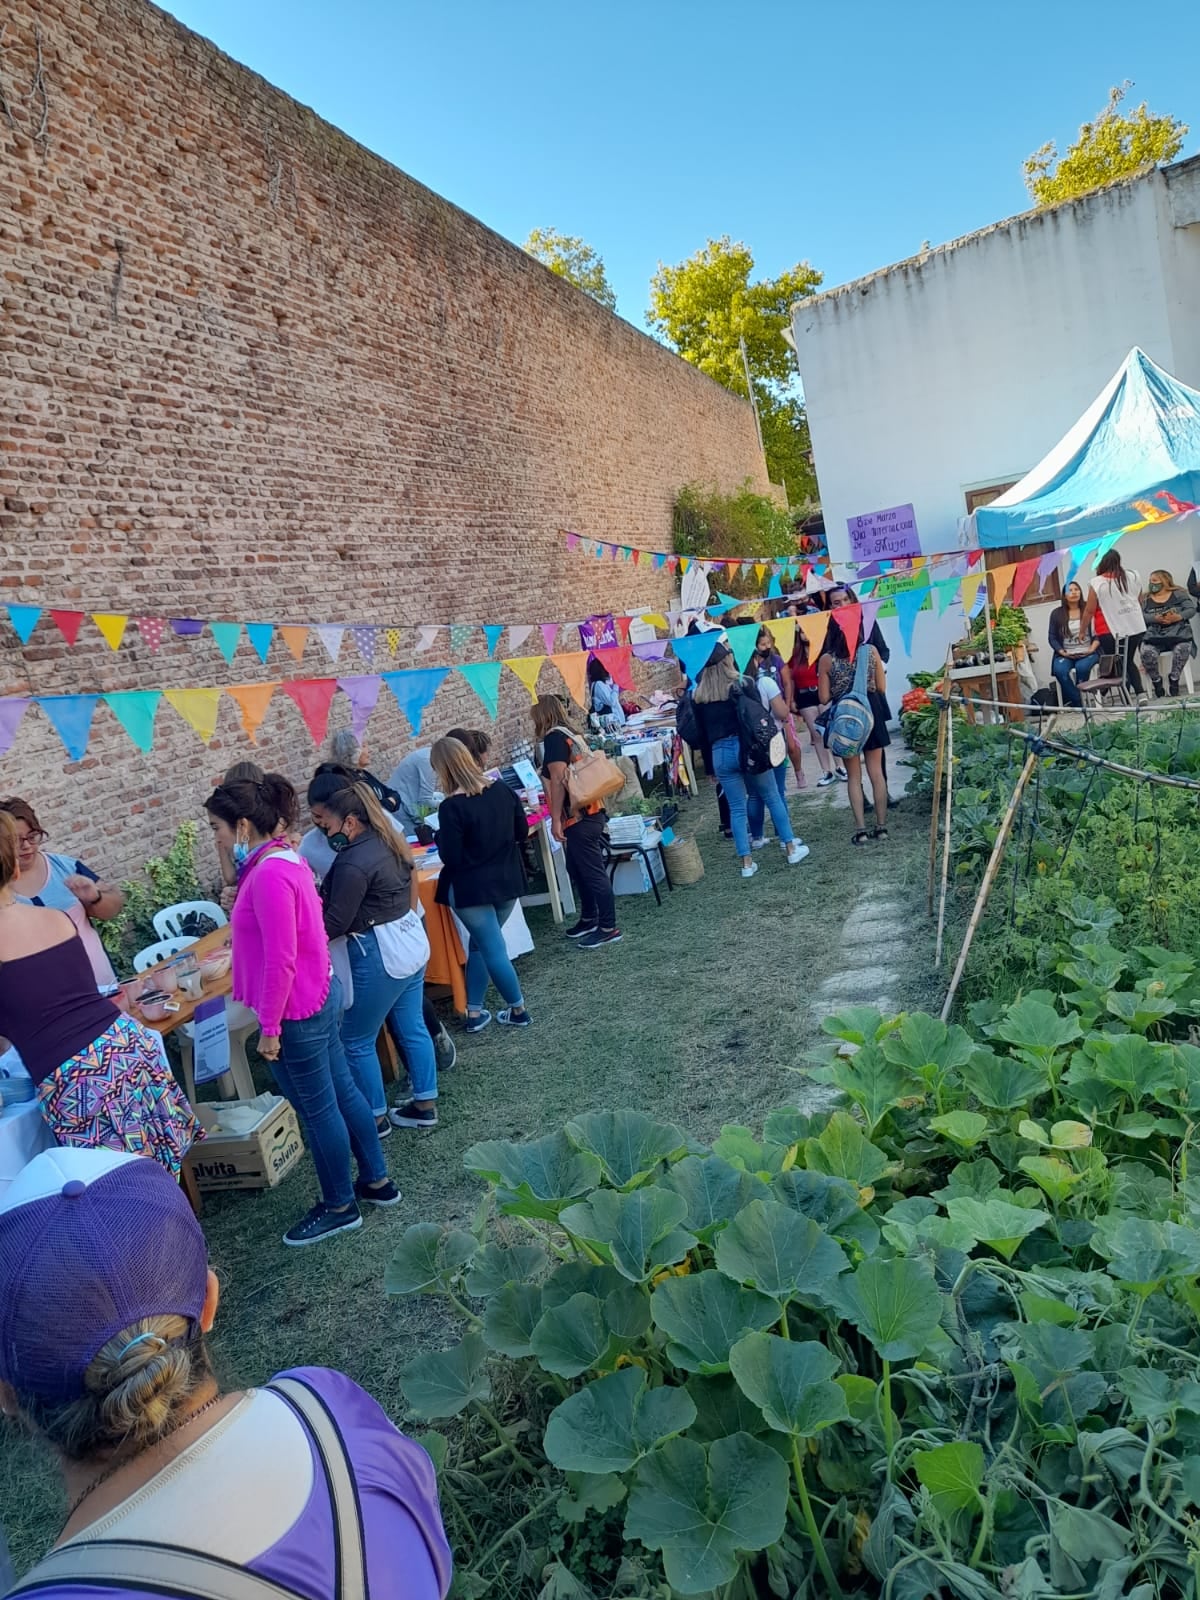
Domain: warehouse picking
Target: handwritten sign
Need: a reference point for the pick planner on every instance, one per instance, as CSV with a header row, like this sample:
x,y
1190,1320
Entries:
x,y
211,1040
894,583
881,535
598,633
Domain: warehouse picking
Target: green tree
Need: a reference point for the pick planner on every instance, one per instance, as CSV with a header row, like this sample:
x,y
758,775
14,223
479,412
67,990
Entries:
x,y
704,307
573,259
1116,145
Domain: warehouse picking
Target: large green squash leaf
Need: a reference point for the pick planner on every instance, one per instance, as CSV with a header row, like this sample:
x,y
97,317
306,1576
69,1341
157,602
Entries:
x,y
896,1304
613,1421
512,1314
704,1505
770,1247
498,1264
570,1338
638,1232
441,1383
713,1190
535,1178
996,1222
844,1151
628,1144
426,1258
953,1474
704,1315
789,1380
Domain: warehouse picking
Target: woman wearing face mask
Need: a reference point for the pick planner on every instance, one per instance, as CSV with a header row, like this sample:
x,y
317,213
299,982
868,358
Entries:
x,y
1168,611
281,971
370,897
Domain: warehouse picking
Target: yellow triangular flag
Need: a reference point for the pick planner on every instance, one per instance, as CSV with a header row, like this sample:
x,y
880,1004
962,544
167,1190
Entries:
x,y
783,631
253,698
1002,578
970,589
112,625
760,570
527,669
198,707
814,627
295,639
655,619
393,640
574,673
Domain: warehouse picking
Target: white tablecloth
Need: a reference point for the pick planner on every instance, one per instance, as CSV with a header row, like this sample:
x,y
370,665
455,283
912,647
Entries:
x,y
648,753
22,1135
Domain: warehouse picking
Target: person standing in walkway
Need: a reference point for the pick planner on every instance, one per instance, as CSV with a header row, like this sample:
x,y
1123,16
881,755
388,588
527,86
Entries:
x,y
581,833
481,827
836,676
369,896
766,669
806,703
1168,611
1075,652
718,686
1113,610
281,970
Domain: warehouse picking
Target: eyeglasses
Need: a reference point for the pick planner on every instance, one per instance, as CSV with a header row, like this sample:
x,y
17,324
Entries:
x,y
32,839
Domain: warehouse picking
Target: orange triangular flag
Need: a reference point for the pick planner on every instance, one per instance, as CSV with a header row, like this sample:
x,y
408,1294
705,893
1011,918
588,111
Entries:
x,y
1002,578
295,639
527,669
253,699
783,631
112,625
574,673
198,707
814,627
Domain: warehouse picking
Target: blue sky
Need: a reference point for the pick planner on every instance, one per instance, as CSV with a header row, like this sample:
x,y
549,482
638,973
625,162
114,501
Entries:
x,y
846,135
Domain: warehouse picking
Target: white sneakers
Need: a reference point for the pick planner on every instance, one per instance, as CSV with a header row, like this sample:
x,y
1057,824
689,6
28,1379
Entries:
x,y
797,852
758,844
748,872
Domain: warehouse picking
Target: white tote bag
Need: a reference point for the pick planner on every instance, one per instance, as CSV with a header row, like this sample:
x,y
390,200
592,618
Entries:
x,y
403,945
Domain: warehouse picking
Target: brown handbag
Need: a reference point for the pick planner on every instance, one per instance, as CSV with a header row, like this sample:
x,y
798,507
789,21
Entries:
x,y
591,777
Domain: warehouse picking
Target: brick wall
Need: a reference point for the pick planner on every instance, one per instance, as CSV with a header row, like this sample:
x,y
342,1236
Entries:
x,y
251,371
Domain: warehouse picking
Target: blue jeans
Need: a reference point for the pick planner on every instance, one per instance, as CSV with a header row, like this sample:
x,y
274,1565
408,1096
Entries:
x,y
313,1073
756,810
407,1021
487,957
1072,670
375,993
738,785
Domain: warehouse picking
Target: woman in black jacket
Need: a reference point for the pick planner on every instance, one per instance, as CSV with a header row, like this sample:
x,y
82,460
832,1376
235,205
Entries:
x,y
481,826
370,895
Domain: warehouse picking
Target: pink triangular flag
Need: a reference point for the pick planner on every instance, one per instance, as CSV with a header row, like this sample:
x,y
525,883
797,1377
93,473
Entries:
x,y
550,634
151,630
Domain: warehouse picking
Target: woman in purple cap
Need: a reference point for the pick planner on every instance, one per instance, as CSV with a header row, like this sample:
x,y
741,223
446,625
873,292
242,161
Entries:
x,y
301,1490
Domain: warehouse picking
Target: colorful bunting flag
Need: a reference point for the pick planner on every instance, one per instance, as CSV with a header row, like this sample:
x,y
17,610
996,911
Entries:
x,y
1023,577
908,604
253,700
970,588
622,629
1001,580
227,635
312,698
393,641
364,642
692,651
260,635
774,588
652,650
527,668
187,627
67,623
484,678
24,619
849,620
199,708
135,710
413,691
493,632
426,634
330,635
549,634
518,635
295,638
1049,562
946,592
783,631
814,627
870,611
151,630
362,694
112,625
11,712
616,660
655,619
573,668
71,716
741,640
460,636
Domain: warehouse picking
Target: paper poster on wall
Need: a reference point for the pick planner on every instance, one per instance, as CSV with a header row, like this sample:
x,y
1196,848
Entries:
x,y
894,583
598,633
211,1041
881,535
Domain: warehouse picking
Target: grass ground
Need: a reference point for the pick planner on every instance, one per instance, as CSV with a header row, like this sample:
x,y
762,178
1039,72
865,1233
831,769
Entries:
x,y
702,1015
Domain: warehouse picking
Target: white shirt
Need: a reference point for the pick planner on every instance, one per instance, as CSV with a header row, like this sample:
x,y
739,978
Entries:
x,y
1120,606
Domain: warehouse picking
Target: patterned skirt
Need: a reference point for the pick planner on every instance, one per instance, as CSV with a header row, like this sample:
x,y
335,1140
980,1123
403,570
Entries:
x,y
119,1094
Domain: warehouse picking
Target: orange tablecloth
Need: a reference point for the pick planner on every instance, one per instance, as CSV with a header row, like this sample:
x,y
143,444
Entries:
x,y
447,958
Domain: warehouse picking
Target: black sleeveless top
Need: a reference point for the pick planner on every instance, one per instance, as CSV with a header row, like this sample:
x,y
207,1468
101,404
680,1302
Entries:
x,y
50,1007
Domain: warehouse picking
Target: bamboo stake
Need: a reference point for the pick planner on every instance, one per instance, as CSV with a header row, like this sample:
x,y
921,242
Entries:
x,y
938,769
941,922
989,877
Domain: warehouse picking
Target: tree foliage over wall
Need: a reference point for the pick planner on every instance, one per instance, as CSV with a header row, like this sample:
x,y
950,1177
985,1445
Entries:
x,y
1116,145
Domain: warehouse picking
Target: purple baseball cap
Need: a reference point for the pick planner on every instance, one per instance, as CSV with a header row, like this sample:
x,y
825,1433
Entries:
x,y
91,1241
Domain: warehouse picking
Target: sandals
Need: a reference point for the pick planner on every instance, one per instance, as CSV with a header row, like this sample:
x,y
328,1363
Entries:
x,y
879,833
860,837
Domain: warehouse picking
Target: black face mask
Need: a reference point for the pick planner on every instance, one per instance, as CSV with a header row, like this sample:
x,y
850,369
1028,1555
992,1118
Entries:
x,y
337,841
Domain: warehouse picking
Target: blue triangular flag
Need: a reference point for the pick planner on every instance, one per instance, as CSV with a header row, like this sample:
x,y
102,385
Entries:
x,y
72,716
484,678
24,619
692,651
908,603
492,632
775,588
227,635
742,640
134,710
414,690
260,635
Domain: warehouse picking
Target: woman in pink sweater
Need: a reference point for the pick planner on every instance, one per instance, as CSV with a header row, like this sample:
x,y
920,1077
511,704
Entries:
x,y
281,971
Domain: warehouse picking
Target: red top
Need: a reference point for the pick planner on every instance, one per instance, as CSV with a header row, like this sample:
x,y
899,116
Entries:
x,y
804,677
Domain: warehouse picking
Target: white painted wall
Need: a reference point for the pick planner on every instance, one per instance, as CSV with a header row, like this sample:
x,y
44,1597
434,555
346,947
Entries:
x,y
963,366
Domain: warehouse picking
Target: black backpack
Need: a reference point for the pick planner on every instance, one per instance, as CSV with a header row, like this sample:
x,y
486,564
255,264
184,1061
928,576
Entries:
x,y
756,729
687,721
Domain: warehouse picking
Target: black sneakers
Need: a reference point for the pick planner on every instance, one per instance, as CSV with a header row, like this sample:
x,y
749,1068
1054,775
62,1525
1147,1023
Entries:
x,y
379,1194
322,1223
598,937
581,930
445,1050
411,1115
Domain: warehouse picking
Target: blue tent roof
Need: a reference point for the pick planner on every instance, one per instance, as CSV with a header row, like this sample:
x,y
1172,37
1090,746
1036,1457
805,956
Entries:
x,y
1138,441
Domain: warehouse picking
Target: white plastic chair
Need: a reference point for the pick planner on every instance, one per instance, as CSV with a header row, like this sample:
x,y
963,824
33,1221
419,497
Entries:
x,y
1186,674
167,923
238,1082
